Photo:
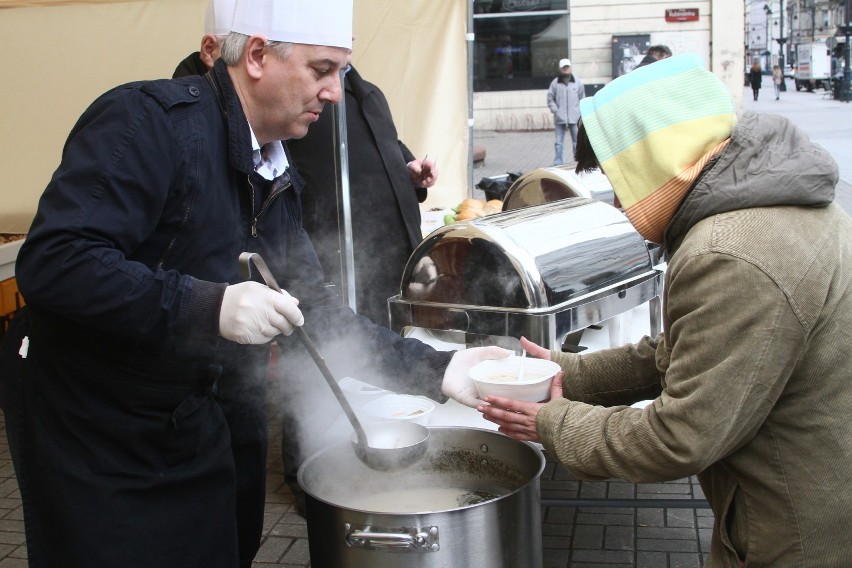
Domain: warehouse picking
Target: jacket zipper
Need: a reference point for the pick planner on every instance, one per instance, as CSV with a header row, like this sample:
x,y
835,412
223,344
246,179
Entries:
x,y
276,191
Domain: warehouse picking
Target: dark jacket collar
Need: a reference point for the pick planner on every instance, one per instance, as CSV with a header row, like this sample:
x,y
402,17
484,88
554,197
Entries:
x,y
191,65
239,135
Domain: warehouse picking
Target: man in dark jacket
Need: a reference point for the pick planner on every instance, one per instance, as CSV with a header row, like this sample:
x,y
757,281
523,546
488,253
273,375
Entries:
x,y
125,453
386,183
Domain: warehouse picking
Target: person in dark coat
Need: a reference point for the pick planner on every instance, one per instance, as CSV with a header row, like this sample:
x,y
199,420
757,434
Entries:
x,y
138,315
655,53
386,184
755,78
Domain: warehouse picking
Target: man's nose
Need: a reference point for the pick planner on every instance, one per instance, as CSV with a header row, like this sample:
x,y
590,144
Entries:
x,y
333,92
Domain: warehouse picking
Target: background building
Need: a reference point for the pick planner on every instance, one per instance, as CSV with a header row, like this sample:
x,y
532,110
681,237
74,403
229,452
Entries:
x,y
518,44
775,28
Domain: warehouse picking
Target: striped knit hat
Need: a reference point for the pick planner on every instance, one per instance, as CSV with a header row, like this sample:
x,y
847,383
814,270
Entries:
x,y
653,130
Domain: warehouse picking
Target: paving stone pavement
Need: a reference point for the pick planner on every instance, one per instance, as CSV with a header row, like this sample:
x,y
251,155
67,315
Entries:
x,y
573,536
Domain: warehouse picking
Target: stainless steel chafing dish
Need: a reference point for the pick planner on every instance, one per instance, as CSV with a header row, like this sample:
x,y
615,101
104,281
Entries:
x,y
545,185
542,271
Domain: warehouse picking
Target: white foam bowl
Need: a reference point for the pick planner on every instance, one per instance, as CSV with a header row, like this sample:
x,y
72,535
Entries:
x,y
400,407
359,393
499,377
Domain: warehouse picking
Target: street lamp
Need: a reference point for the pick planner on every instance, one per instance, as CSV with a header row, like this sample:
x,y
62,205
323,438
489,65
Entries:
x,y
767,52
810,5
845,95
781,39
791,7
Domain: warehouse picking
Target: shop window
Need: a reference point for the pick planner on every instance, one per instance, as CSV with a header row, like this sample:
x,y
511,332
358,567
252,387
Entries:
x,y
518,43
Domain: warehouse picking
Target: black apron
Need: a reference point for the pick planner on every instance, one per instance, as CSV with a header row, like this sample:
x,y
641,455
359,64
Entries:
x,y
120,464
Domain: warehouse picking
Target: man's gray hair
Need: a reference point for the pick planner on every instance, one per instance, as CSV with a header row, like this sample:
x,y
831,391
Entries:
x,y
235,44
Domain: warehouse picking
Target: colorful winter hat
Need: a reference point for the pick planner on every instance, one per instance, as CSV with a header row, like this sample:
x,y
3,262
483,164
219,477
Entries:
x,y
653,131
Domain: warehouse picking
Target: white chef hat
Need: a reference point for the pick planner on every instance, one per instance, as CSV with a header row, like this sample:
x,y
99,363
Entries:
x,y
315,22
219,17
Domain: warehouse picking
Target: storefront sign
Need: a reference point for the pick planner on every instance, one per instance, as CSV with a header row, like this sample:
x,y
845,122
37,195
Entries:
x,y
682,15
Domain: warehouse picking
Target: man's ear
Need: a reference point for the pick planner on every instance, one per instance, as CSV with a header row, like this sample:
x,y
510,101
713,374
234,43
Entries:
x,y
254,55
209,51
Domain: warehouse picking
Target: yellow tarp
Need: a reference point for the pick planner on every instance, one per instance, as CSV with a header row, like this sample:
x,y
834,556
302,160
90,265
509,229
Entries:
x,y
68,53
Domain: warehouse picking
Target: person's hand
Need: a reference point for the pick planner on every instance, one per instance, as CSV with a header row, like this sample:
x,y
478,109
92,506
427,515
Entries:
x,y
457,385
424,173
254,313
534,349
516,418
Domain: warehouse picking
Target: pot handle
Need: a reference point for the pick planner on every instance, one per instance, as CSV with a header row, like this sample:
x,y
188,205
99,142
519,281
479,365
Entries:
x,y
397,539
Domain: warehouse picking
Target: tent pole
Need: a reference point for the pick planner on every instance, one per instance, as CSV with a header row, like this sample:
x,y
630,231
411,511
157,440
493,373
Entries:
x,y
470,53
344,206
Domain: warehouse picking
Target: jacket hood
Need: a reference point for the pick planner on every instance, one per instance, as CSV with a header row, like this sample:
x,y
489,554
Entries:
x,y
653,131
769,161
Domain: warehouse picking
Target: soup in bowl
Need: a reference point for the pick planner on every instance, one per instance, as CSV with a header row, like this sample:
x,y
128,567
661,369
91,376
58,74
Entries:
x,y
521,378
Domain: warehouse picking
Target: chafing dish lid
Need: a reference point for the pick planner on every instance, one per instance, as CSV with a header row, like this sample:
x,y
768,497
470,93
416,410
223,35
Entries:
x,y
545,185
536,257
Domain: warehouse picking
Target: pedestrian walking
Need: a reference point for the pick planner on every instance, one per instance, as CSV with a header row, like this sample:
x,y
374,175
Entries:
x,y
563,100
755,77
777,79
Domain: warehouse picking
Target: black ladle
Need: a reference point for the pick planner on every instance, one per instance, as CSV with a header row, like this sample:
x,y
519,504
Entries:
x,y
390,444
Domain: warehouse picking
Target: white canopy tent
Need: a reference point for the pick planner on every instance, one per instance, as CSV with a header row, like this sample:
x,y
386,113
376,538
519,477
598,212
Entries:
x,y
64,53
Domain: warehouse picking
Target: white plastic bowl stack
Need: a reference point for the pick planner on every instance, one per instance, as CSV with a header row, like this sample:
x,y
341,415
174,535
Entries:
x,y
400,407
359,393
499,377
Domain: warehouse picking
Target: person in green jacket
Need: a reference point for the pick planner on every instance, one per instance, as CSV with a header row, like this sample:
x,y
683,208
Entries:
x,y
750,379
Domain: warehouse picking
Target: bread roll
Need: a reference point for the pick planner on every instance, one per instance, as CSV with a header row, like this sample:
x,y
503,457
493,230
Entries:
x,y
471,203
469,213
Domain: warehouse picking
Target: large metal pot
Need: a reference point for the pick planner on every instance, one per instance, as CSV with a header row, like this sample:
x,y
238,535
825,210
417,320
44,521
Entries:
x,y
358,517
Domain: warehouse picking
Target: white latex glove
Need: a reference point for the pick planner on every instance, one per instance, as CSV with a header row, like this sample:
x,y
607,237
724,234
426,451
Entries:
x,y
457,384
254,313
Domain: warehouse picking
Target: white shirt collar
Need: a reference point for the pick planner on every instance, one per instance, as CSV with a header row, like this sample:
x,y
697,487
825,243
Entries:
x,y
269,161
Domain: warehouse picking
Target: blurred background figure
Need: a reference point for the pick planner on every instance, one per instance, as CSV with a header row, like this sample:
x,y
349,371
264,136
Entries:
x,y
217,24
655,53
563,100
777,79
755,77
